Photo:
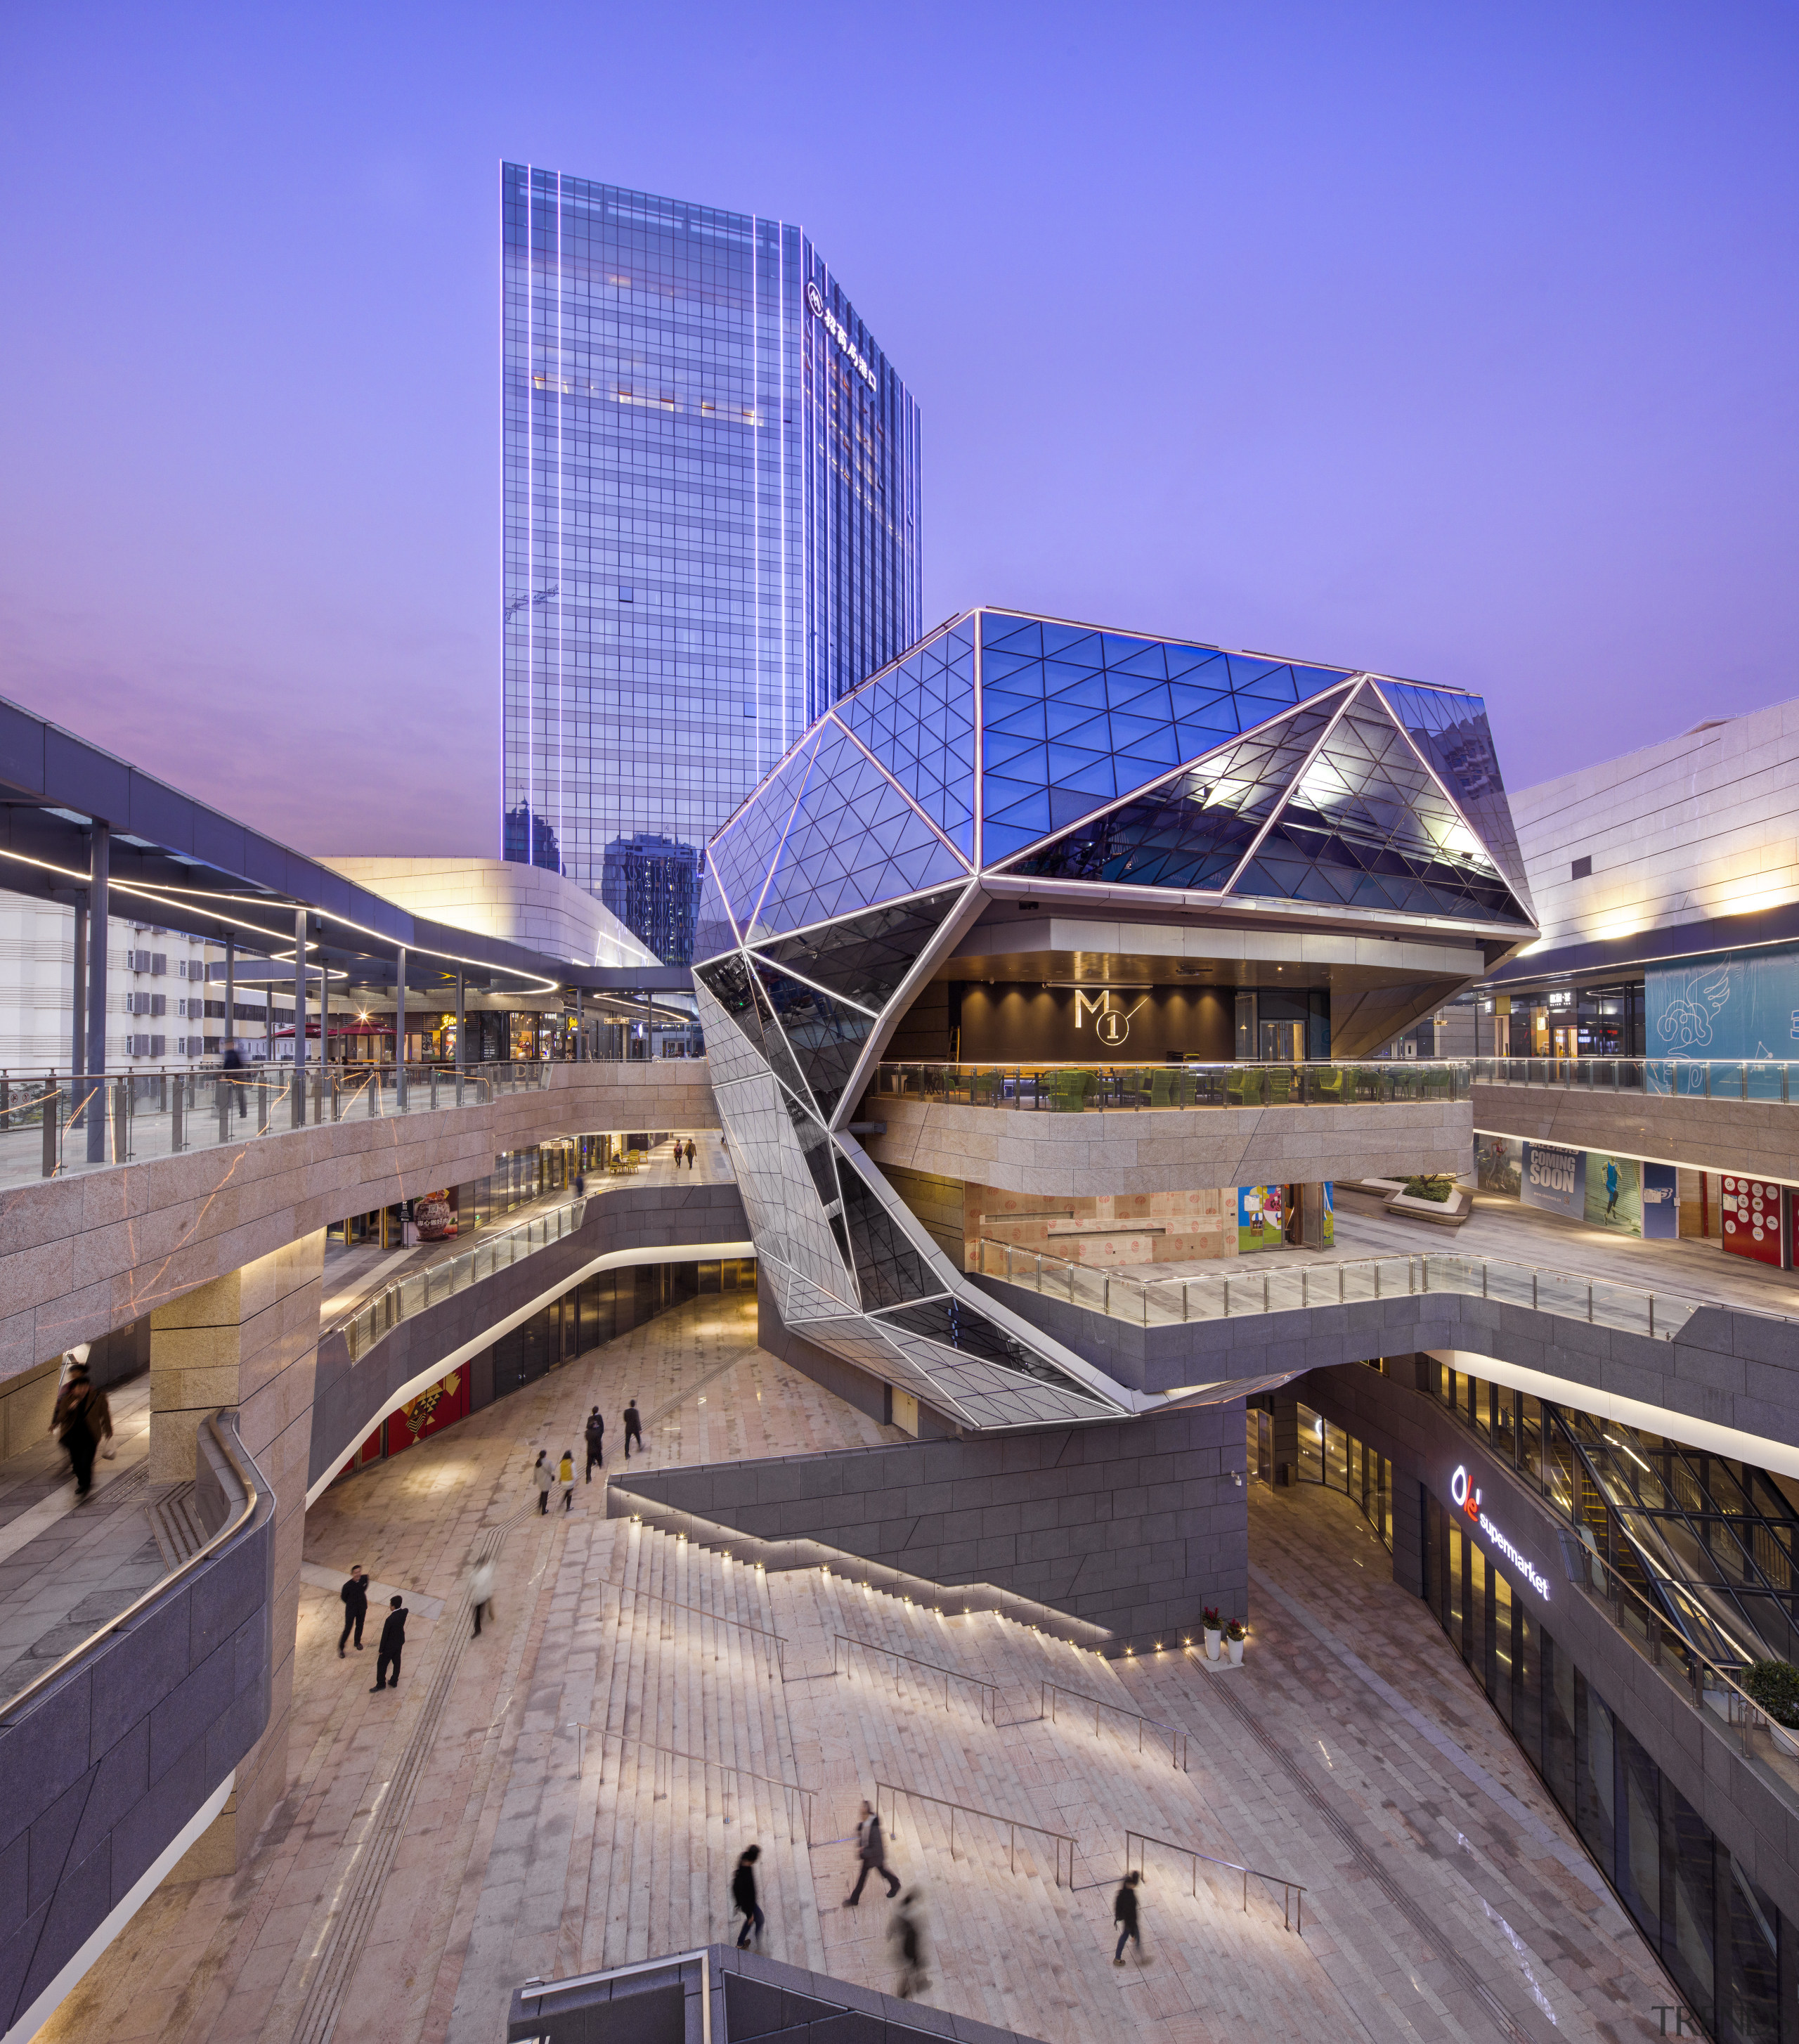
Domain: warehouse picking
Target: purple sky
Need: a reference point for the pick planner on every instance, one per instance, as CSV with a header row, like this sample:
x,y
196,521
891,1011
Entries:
x,y
1455,343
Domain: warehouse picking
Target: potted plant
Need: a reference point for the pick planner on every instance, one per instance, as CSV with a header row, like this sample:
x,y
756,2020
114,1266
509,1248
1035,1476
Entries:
x,y
1235,1634
1210,1618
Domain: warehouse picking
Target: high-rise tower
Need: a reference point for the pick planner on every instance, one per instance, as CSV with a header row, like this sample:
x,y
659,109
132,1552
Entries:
x,y
712,524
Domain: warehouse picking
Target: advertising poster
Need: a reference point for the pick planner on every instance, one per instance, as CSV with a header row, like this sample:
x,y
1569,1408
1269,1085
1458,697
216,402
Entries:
x,y
1725,1007
1499,1165
1751,1218
1614,1192
1661,1208
1259,1221
1555,1178
1329,1216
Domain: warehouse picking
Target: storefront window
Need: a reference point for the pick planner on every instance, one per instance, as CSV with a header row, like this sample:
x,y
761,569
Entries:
x,y
1755,1961
1311,1445
1476,1636
1458,1590
1499,1676
1594,1783
1558,1726
1639,1837
1688,1901
1505,1421
1530,1435
1527,1701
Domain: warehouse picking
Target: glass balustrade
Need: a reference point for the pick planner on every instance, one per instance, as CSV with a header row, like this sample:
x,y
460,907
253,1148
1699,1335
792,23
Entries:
x,y
1102,1088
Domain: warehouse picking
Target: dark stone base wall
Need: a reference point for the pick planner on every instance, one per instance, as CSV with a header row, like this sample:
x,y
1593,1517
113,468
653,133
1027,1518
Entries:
x,y
1136,1526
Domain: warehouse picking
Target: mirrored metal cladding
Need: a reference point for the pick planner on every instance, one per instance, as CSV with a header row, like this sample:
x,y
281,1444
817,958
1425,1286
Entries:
x,y
1026,748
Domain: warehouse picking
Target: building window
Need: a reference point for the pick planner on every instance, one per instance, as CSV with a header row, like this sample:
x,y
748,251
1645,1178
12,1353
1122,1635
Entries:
x,y
1583,868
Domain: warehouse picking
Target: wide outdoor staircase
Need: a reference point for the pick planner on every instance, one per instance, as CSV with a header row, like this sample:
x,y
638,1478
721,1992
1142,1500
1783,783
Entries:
x,y
701,1718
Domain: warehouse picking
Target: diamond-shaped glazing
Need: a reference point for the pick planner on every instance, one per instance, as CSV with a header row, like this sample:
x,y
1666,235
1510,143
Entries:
x,y
1072,718
1365,826
953,1324
1452,733
820,1037
714,933
865,957
890,1268
854,840
742,852
917,718
1190,831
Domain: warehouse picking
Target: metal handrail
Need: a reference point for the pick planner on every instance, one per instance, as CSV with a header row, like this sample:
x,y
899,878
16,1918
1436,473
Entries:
x,y
1049,1692
535,1989
1344,1280
1070,1085
700,1610
244,1470
450,1275
1016,1824
1770,1079
990,1690
1292,1912
621,1740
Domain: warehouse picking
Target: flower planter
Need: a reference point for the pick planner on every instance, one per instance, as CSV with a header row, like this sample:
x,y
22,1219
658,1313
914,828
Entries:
x,y
1235,1647
1213,1634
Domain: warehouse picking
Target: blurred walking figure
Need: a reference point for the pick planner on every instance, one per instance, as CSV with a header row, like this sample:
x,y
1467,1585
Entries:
x,y
633,1428
691,1153
542,1476
1124,1914
565,1476
480,1591
595,1442
743,1895
231,1063
907,1930
82,1419
871,1849
355,1595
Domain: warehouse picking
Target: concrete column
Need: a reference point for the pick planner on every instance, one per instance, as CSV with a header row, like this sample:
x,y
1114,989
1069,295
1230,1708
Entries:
x,y
1286,1439
230,995
462,1050
100,841
78,1040
248,1340
400,1027
581,1026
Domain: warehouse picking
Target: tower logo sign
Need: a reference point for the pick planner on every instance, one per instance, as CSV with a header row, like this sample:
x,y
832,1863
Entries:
x,y
835,327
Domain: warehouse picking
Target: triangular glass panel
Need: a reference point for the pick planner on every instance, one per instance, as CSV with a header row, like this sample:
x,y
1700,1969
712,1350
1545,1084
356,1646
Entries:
x,y
866,957
714,933
1191,830
728,980
825,1037
745,849
815,1146
952,1323
917,718
1452,733
1368,821
855,841
1095,716
888,1268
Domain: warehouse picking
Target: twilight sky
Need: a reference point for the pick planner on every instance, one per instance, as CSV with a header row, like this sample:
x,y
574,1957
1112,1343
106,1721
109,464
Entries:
x,y
1454,342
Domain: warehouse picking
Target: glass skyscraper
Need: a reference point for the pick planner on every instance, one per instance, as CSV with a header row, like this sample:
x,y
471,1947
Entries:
x,y
711,526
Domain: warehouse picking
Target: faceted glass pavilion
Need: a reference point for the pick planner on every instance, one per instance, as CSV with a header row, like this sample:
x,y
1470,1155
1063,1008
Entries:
x,y
1084,761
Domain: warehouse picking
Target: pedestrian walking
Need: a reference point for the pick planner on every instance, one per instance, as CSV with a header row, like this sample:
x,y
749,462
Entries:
x,y
595,1442
355,1595
677,1153
743,1895
691,1153
633,1428
565,1476
580,1185
392,1645
1124,1914
81,1421
231,1062
480,1593
907,1930
543,1476
871,1849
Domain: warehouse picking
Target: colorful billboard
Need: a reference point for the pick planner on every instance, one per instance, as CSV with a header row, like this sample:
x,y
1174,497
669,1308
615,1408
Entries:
x,y
1499,1165
1614,1193
1555,1178
1661,1202
1259,1218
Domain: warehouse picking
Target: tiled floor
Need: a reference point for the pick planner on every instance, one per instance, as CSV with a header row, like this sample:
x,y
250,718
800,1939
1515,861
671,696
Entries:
x,y
1445,1896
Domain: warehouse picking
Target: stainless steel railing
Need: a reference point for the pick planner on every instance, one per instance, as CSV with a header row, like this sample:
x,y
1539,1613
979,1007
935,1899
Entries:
x,y
1102,1088
1237,1293
1293,1896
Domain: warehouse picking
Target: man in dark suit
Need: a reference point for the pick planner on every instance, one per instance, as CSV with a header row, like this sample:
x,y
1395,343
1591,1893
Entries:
x,y
393,1641
355,1595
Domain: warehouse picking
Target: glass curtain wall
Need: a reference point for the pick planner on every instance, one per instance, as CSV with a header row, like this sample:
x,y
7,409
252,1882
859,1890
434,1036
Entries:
x,y
1333,1459
1733,1957
1709,1542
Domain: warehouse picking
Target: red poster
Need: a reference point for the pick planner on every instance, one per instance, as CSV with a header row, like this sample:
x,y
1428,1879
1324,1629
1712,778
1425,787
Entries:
x,y
436,1407
1751,1208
